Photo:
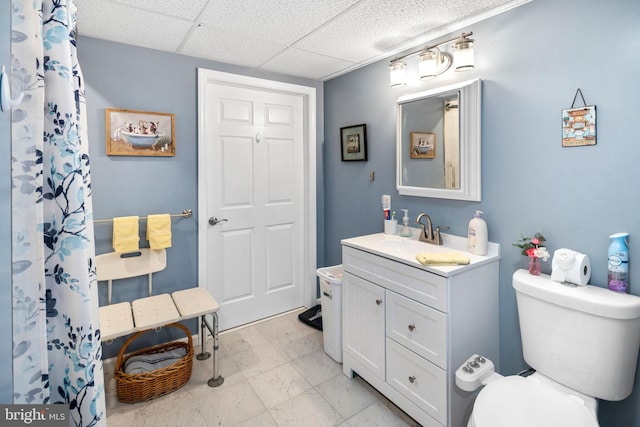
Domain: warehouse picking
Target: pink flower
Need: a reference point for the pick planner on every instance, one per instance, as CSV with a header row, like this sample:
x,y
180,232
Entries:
x,y
535,241
531,252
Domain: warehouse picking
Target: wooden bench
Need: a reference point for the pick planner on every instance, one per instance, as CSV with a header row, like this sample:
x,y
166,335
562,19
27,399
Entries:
x,y
154,311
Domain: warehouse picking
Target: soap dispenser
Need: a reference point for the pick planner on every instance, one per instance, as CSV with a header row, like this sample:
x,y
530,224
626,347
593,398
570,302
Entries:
x,y
405,231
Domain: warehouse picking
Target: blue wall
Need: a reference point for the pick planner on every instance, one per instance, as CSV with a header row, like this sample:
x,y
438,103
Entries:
x,y
532,60
128,77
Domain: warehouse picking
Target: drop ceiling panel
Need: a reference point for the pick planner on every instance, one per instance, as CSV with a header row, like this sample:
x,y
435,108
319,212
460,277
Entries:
x,y
363,32
230,47
186,9
282,21
375,27
114,22
306,64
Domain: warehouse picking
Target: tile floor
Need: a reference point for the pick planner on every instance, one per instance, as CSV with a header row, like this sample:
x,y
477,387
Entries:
x,y
275,374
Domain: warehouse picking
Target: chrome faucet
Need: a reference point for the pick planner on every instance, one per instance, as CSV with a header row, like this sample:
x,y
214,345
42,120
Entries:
x,y
428,235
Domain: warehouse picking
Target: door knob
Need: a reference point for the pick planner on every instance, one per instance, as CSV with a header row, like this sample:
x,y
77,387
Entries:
x,y
213,220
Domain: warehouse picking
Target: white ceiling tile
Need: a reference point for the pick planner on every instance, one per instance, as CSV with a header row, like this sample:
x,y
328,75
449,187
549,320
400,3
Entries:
x,y
118,23
281,21
305,64
371,28
229,46
186,9
375,27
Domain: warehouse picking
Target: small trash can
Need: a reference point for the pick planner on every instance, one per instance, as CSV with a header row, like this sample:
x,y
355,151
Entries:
x,y
331,301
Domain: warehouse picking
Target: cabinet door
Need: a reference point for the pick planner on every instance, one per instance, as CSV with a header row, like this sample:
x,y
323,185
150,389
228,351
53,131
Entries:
x,y
364,333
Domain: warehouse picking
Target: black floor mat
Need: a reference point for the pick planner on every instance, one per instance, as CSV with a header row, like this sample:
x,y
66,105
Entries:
x,y
312,317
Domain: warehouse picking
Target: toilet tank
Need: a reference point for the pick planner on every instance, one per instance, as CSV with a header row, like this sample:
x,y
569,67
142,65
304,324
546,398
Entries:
x,y
584,337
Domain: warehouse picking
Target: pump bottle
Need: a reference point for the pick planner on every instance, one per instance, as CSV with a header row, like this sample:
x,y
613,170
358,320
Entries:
x,y
405,231
477,238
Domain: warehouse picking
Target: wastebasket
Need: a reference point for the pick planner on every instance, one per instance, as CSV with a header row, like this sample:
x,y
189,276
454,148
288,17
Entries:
x,y
331,302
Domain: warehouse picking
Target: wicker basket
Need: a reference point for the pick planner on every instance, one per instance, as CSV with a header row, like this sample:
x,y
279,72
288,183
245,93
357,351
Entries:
x,y
134,388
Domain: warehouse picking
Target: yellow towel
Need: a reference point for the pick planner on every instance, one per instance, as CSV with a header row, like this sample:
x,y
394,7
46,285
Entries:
x,y
445,258
159,231
125,234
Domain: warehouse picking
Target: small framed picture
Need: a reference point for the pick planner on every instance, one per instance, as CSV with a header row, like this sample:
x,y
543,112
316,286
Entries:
x,y
140,133
423,145
579,126
354,142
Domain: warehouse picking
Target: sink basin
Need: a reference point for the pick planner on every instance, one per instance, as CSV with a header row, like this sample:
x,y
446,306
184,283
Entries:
x,y
409,247
405,249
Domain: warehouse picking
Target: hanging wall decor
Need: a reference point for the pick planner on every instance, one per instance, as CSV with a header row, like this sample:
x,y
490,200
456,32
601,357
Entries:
x,y
140,133
579,124
354,142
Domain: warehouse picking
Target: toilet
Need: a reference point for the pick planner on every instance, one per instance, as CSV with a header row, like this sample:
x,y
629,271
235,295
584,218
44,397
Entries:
x,y
582,342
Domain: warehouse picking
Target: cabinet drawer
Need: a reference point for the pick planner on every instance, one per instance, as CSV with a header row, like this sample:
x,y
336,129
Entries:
x,y
418,380
417,327
417,284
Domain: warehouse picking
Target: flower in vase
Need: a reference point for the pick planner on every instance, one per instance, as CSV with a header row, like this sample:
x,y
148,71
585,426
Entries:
x,y
533,246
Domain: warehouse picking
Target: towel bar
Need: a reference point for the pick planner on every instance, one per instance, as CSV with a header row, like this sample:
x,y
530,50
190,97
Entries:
x,y
187,213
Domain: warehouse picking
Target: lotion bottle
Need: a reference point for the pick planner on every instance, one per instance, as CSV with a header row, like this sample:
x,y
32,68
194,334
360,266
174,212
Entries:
x,y
477,237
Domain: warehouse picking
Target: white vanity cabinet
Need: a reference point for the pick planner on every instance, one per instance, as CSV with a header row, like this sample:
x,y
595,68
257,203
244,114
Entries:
x,y
407,327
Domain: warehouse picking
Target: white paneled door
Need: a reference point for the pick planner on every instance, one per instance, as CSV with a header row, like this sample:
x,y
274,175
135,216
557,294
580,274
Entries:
x,y
254,156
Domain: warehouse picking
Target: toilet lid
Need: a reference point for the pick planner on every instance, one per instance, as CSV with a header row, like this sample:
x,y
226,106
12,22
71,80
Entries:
x,y
518,401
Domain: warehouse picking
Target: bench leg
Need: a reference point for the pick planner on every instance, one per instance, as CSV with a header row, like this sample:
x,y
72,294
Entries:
x,y
217,379
203,355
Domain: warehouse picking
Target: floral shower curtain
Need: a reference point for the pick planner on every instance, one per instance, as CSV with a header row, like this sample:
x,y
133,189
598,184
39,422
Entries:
x,y
56,341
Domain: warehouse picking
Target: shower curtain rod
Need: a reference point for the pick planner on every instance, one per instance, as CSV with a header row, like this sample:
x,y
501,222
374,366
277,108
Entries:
x,y
185,214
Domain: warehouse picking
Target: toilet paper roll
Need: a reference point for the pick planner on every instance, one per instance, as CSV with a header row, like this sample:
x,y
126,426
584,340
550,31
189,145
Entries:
x,y
571,267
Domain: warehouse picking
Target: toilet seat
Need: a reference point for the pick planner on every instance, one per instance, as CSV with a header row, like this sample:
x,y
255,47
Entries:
x,y
517,401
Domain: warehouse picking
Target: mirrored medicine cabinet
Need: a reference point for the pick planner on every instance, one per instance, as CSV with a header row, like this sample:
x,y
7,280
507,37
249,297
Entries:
x,y
438,142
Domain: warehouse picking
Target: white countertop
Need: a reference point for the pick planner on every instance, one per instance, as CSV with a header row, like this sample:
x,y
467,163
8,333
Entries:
x,y
405,249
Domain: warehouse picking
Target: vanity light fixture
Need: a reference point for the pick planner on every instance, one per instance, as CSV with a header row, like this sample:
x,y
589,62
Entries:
x,y
398,73
464,56
432,61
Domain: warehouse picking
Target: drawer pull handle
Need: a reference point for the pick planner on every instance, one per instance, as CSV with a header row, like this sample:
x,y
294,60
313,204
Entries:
x,y
412,327
378,301
412,379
